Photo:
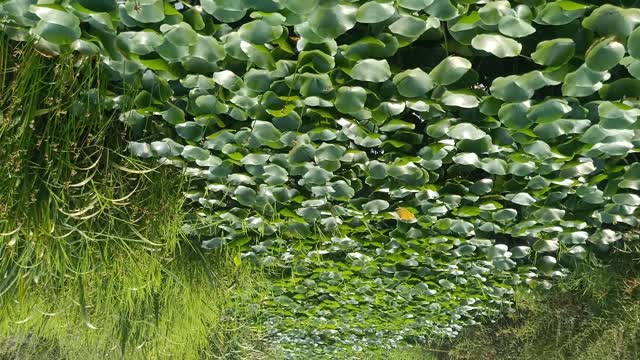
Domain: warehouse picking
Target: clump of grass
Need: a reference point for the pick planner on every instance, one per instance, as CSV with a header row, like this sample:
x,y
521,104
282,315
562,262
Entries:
x,y
93,262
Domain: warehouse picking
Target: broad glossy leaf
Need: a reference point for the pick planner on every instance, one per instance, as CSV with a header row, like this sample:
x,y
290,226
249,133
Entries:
x,y
409,26
331,22
450,70
604,55
145,11
374,12
350,99
415,4
259,32
612,20
460,98
492,12
633,43
466,131
515,27
56,26
554,52
412,83
375,206
371,70
497,45
190,130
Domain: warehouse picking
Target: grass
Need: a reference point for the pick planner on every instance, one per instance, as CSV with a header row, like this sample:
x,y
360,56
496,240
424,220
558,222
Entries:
x,y
93,263
594,314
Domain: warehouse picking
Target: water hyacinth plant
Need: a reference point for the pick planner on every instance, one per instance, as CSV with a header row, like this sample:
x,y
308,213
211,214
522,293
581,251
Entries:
x,y
397,167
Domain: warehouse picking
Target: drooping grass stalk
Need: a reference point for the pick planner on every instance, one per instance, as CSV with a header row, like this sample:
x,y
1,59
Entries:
x,y
93,262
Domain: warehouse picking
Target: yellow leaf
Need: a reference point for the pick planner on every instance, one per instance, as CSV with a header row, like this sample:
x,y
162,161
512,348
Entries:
x,y
405,214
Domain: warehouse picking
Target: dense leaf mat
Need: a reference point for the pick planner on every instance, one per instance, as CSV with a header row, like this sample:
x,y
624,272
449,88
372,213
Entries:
x,y
399,165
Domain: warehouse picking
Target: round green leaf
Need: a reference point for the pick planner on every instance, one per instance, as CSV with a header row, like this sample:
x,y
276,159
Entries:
x,y
371,70
497,45
331,22
515,27
462,98
415,4
604,55
56,26
412,83
374,12
492,12
350,100
190,130
554,52
145,11
409,26
259,32
633,43
466,131
450,70
375,206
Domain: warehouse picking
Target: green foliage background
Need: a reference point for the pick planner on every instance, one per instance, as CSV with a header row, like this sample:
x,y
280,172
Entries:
x,y
398,166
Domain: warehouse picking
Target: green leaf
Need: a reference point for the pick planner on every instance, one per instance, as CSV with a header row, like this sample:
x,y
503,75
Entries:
x,y
466,131
548,110
139,149
554,52
515,27
244,195
574,238
494,166
461,98
145,11
331,22
275,175
316,176
415,4
375,206
228,80
492,12
350,100
505,215
194,153
450,70
442,10
548,215
514,115
561,12
521,199
371,70
542,245
497,45
508,90
633,43
315,84
412,83
374,12
190,130
617,115
583,82
289,122
300,6
409,26
259,32
265,132
604,55
604,237
519,252
610,20
56,26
